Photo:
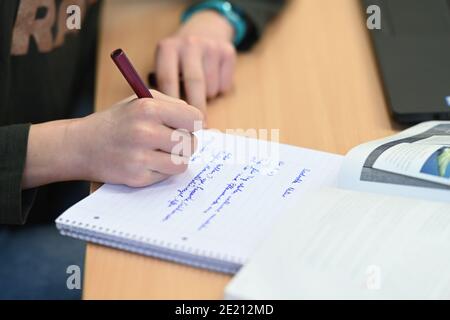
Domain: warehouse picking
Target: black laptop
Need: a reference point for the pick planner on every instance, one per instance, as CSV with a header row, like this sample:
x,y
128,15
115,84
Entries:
x,y
413,52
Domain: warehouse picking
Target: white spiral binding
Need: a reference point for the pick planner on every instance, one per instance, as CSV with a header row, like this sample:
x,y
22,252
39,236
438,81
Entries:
x,y
149,247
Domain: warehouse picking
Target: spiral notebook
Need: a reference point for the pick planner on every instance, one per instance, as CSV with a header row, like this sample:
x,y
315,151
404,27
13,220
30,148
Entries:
x,y
212,216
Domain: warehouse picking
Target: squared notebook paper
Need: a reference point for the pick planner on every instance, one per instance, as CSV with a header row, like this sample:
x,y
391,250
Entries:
x,y
214,215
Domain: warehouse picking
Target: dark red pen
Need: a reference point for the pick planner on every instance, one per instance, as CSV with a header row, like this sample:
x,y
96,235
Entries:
x,y
129,72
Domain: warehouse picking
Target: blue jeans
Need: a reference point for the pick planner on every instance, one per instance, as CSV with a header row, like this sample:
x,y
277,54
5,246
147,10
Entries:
x,y
34,260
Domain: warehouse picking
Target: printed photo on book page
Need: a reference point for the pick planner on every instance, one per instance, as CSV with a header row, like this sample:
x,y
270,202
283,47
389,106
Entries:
x,y
415,163
424,161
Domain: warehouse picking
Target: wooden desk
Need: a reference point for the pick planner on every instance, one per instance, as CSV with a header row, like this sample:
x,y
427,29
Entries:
x,y
313,76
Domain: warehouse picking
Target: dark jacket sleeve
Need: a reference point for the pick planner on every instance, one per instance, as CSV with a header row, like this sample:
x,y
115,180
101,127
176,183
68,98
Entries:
x,y
258,13
14,203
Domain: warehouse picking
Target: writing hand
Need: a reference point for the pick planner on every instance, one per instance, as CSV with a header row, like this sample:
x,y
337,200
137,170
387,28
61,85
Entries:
x,y
131,143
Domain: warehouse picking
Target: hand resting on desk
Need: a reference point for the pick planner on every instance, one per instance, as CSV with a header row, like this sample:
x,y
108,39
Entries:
x,y
202,51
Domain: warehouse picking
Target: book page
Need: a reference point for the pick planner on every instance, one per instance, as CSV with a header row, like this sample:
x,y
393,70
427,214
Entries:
x,y
233,191
342,244
414,163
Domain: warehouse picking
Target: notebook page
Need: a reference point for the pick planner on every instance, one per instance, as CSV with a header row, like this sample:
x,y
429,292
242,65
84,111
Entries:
x,y
350,245
222,207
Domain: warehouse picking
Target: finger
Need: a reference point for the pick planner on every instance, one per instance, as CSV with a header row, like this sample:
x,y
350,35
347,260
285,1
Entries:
x,y
167,70
173,115
161,96
155,94
178,142
128,99
166,163
194,79
146,178
212,71
227,66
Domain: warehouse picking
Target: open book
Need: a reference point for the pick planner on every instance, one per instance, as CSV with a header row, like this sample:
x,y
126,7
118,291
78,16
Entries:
x,y
341,244
217,214
379,240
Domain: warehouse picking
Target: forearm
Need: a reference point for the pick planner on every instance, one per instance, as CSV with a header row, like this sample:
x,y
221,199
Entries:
x,y
53,155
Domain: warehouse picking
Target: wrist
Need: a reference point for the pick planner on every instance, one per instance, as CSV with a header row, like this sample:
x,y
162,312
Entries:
x,y
231,13
77,140
217,26
52,155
